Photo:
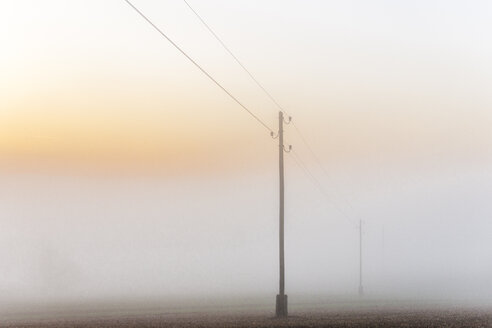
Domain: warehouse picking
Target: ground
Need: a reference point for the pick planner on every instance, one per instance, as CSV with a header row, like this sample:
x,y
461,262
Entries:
x,y
335,314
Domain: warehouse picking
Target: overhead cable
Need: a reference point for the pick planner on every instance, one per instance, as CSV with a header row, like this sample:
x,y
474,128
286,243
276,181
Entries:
x,y
199,67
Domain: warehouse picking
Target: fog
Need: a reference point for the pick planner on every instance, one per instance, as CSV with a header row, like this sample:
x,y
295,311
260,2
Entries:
x,y
126,175
426,234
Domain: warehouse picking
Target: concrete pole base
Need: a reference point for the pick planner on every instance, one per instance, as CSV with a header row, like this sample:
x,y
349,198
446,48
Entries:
x,y
281,306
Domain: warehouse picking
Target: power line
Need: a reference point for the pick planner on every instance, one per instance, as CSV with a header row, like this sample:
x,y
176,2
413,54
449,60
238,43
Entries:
x,y
268,94
303,166
318,161
199,67
235,58
297,159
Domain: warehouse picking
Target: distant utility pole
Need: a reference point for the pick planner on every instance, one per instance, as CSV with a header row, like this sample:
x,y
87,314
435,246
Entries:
x,y
361,290
384,260
281,302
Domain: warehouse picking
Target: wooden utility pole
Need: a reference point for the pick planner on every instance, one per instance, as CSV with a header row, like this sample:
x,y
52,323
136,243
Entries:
x,y
281,304
361,290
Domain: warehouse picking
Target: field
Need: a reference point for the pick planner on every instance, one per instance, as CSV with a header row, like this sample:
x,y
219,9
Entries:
x,y
340,313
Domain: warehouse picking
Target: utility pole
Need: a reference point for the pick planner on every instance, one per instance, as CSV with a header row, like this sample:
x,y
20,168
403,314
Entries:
x,y
361,290
281,302
384,260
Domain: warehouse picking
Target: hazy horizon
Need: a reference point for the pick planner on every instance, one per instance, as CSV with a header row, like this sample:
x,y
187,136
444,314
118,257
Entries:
x,y
125,173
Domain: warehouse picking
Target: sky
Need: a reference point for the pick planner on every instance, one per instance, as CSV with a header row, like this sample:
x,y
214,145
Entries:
x,y
125,171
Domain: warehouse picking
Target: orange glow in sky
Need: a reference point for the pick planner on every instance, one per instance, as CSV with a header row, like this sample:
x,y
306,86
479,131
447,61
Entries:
x,y
92,82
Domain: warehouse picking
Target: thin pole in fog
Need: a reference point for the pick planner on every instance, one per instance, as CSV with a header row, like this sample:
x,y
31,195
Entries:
x,y
281,301
361,290
383,250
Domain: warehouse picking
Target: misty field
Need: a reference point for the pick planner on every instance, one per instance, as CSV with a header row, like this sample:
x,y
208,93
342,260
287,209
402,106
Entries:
x,y
339,313
403,318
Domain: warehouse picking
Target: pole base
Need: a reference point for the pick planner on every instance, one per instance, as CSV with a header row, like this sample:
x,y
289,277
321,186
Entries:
x,y
361,291
281,306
